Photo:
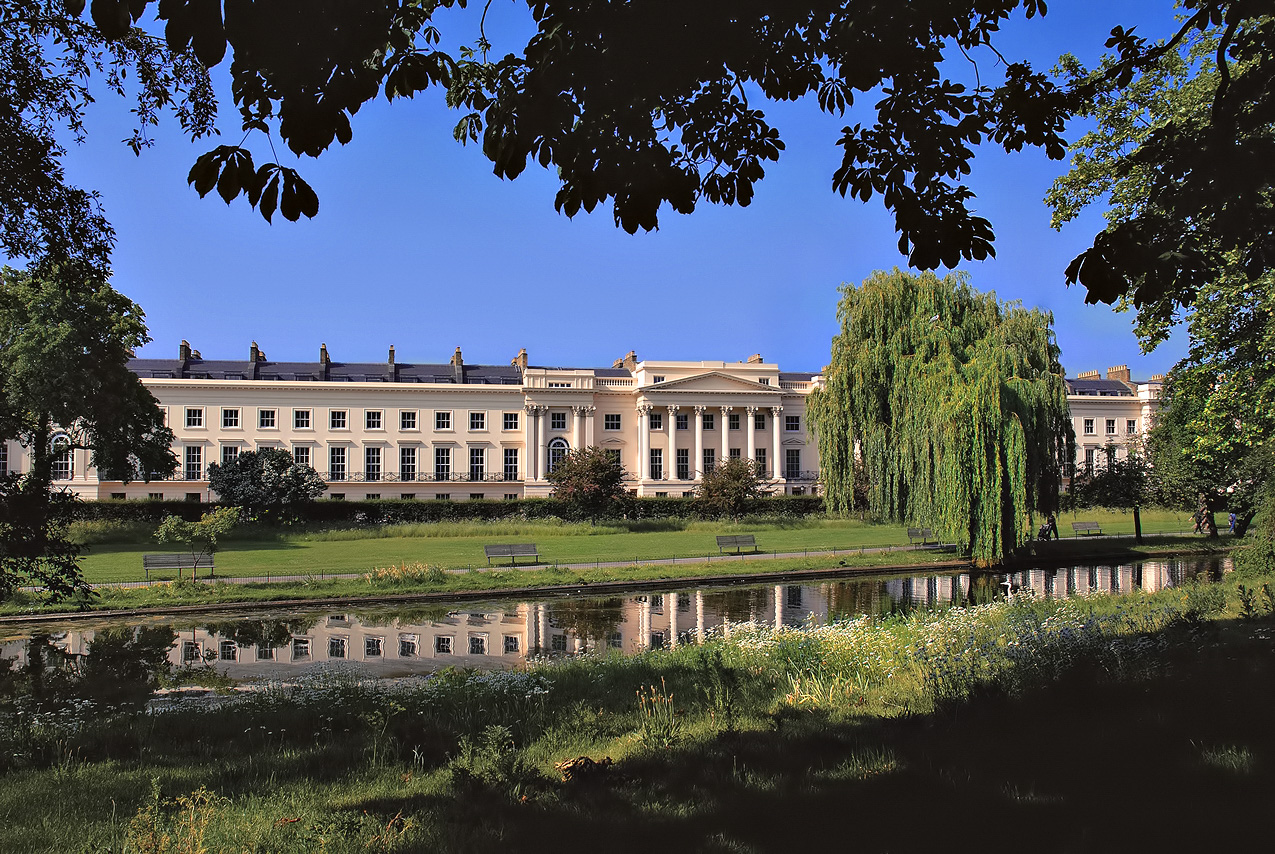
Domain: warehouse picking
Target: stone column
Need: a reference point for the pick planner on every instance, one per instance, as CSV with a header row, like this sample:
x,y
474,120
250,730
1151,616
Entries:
x,y
530,462
779,606
699,615
752,434
644,642
577,427
670,604
697,464
542,442
529,629
588,425
644,443
542,640
775,438
725,433
671,462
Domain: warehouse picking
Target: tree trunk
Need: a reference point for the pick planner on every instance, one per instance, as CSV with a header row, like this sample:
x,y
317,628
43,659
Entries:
x,y
1137,525
1242,521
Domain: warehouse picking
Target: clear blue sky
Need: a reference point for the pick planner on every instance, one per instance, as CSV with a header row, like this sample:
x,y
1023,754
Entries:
x,y
418,245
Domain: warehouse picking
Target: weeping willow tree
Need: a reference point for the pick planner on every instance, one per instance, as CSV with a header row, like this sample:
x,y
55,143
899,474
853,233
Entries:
x,y
952,403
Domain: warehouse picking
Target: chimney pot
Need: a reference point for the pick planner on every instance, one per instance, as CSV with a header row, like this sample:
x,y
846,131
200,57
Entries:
x,y
254,353
391,354
457,361
183,351
755,359
323,354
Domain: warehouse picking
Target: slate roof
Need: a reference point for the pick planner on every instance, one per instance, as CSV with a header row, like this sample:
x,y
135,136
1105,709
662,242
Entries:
x,y
1098,388
210,369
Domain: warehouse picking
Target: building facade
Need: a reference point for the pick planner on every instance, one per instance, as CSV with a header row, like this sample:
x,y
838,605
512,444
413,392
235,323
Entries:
x,y
467,432
1111,411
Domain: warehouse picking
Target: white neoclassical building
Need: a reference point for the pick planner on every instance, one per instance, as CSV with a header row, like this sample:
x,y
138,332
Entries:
x,y
1110,411
457,431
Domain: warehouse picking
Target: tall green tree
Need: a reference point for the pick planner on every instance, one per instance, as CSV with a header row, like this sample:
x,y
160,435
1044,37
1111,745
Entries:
x,y
954,403
589,482
730,487
1181,158
65,340
1124,483
268,483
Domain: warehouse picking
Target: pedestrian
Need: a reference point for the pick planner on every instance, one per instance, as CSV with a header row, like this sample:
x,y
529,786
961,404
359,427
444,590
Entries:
x,y
1199,522
1232,520
1053,525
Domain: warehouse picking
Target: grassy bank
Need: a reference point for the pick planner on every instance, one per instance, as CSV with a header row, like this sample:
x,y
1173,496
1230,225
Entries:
x,y
1039,725
419,580
460,545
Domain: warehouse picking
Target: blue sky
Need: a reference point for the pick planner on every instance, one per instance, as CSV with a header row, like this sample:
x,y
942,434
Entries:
x,y
418,245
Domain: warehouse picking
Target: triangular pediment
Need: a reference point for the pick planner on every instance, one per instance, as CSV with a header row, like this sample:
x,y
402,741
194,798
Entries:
x,y
610,441
713,381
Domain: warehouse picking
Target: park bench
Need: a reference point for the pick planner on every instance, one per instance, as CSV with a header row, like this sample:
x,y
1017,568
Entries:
x,y
513,551
177,562
736,542
924,535
1086,527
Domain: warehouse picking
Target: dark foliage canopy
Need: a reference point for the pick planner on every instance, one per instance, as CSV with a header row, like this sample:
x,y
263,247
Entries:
x,y
730,487
589,482
266,482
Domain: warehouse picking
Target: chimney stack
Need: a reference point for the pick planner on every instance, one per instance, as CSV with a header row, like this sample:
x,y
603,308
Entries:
x,y
457,361
630,360
458,367
755,359
1119,372
196,356
183,352
323,354
254,354
520,361
1088,375
391,354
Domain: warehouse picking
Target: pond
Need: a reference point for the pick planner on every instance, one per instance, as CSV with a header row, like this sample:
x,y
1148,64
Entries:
x,y
117,657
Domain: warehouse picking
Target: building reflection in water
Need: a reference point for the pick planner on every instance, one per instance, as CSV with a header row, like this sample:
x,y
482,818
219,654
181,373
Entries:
x,y
403,642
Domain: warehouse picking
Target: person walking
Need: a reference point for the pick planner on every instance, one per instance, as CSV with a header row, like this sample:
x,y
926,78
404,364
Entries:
x,y
1232,521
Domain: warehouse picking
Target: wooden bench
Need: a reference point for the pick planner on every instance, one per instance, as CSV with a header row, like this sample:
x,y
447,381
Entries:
x,y
177,562
922,534
737,542
513,551
1086,527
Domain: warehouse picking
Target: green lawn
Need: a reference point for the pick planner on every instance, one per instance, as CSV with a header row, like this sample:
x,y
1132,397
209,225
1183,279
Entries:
x,y
348,552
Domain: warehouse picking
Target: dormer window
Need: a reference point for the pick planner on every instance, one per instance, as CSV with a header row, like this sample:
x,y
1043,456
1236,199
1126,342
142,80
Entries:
x,y
657,379
764,381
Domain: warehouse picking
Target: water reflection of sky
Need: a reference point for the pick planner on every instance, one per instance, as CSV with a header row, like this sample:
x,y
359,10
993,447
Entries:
x,y
403,641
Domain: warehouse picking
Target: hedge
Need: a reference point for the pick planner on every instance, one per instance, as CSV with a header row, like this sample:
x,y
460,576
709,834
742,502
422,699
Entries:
x,y
393,511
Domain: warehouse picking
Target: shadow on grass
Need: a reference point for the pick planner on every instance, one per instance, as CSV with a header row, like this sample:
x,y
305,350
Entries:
x,y
1178,759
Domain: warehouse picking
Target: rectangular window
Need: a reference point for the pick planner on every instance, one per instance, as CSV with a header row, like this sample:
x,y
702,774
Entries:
x,y
683,464
557,421
709,422
615,640
265,652
559,384
407,464
443,496
63,465
710,459
792,463
442,420
372,496
732,421
1111,426
734,453
1089,458
478,421
194,416
511,421
266,419
190,651
511,644
336,463
511,496
407,419
155,496
442,645
759,421
792,423
657,464
229,453
683,421
477,496
194,468
657,420
442,464
336,647
407,496
407,647
301,455
4,458
1130,427
658,378
1089,427
558,642
657,640
477,645
759,457
230,419
511,463
372,464
337,419
373,419
477,463
373,647
300,649
301,419
611,421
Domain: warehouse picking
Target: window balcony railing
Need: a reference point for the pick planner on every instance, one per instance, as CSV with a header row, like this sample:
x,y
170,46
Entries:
x,y
419,477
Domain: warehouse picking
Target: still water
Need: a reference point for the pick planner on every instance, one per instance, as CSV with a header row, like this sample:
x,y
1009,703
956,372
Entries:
x,y
400,641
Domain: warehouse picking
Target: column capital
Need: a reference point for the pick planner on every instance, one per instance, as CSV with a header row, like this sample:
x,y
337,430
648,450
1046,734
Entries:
x,y
726,409
644,408
775,410
753,410
533,409
672,408
585,411
699,410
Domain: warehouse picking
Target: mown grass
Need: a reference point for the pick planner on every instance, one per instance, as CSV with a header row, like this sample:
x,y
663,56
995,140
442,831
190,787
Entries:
x,y
459,544
1038,725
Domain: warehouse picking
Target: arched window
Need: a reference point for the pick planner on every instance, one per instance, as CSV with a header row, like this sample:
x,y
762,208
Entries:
x,y
558,449
62,463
